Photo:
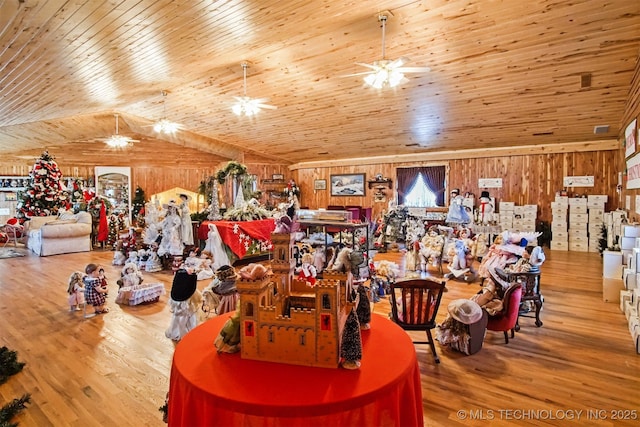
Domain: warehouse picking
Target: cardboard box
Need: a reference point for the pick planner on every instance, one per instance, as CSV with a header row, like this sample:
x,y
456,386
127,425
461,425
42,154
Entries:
x,y
612,264
560,235
559,246
597,198
625,295
507,206
611,290
559,206
578,247
578,217
577,201
630,230
627,242
578,209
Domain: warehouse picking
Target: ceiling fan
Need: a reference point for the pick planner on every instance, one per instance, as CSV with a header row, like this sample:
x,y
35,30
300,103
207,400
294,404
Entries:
x,y
116,140
249,106
164,125
387,72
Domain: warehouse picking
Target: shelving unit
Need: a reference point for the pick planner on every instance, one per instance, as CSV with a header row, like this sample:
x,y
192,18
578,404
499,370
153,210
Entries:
x,y
13,183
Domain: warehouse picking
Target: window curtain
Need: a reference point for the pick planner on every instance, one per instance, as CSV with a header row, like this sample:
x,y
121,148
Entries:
x,y
434,178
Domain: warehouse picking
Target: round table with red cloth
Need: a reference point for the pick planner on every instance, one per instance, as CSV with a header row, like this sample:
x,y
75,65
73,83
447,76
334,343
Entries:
x,y
208,388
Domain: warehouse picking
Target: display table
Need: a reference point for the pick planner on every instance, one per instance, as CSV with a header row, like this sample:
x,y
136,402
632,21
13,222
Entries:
x,y
207,388
139,294
241,236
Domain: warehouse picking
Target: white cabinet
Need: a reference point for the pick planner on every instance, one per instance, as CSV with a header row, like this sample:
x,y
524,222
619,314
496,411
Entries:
x,y
114,183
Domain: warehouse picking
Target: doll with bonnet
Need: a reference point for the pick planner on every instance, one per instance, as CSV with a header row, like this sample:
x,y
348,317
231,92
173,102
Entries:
x,y
131,276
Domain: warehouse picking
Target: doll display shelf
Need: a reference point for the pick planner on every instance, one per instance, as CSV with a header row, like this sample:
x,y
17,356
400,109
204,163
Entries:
x,y
146,293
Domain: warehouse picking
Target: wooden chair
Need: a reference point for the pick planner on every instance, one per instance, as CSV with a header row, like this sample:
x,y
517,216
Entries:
x,y
12,233
507,319
530,292
414,306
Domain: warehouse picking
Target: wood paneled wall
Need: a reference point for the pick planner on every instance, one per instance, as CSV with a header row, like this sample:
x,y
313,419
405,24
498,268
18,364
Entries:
x,y
155,166
531,179
632,111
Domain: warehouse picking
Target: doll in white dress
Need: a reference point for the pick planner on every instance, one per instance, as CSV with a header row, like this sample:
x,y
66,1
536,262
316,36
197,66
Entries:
x,y
184,304
171,243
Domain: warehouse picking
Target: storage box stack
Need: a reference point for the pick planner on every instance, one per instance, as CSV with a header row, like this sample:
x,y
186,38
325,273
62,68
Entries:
x,y
559,227
506,215
613,221
630,306
524,218
578,224
595,206
630,233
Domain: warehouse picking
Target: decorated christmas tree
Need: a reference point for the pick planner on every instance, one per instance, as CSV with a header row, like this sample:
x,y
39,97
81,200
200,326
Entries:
x,y
46,194
137,207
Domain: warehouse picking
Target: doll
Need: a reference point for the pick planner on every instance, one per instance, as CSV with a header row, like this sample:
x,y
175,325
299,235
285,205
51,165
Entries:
x,y
153,263
171,243
228,340
319,258
131,276
186,228
75,291
224,285
184,304
206,266
143,256
457,212
307,271
253,271
216,248
103,281
431,247
460,265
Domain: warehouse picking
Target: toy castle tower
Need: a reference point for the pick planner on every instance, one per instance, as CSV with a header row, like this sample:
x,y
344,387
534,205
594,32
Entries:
x,y
285,320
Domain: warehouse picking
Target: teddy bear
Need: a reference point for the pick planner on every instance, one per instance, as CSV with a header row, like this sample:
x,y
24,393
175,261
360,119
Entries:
x,y
119,257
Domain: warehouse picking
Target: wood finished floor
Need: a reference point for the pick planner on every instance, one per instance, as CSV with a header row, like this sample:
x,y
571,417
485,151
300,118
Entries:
x,y
113,369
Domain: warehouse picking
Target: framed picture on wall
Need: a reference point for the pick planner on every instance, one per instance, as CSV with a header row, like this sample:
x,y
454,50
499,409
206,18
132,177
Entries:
x,y
348,184
320,184
11,197
277,177
630,139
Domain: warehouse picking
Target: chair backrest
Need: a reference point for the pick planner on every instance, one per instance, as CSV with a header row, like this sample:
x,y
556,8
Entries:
x,y
511,303
415,302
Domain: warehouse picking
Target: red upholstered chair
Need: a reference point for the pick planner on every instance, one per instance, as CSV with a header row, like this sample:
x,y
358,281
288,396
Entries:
x,y
507,319
414,306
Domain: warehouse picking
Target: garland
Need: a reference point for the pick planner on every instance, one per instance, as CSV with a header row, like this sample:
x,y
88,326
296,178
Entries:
x,y
9,365
233,168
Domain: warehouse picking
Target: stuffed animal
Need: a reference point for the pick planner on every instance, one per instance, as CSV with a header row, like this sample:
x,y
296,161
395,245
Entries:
x,y
348,260
133,257
118,256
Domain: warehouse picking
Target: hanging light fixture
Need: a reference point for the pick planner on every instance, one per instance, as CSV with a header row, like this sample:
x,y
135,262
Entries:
x,y
386,72
163,125
118,141
249,106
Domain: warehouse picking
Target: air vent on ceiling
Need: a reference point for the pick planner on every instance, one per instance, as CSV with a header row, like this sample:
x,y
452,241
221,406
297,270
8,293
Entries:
x,y
585,81
601,129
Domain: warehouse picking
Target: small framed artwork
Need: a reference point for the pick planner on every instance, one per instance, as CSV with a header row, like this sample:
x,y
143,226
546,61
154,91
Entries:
x,y
320,184
348,184
277,177
11,197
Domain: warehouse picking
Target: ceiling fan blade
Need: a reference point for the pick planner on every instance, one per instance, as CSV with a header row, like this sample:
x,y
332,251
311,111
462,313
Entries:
x,y
397,63
414,69
267,106
364,73
373,67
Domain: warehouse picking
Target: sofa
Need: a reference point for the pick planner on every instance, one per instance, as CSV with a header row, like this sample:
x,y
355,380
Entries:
x,y
53,235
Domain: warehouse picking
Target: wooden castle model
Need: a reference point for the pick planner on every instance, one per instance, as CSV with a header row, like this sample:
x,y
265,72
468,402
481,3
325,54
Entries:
x,y
285,320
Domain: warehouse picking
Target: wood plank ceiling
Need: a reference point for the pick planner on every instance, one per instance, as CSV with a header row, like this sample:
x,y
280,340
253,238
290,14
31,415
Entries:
x,y
503,73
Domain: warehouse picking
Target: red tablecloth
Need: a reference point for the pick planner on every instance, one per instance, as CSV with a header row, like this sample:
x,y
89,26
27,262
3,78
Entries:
x,y
238,234
207,388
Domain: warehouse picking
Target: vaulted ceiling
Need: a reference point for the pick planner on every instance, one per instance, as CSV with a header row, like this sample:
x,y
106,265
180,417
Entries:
x,y
503,73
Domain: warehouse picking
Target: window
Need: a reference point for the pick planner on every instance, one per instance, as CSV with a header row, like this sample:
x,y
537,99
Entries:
x,y
249,310
421,186
326,302
420,195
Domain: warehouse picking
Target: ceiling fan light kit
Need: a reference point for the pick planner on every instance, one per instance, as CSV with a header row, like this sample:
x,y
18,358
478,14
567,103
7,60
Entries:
x,y
163,125
116,140
385,72
245,105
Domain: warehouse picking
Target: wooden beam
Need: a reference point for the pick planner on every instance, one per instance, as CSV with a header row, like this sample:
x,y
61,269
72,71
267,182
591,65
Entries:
x,y
525,150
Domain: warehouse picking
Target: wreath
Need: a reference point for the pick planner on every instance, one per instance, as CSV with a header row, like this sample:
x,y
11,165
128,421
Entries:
x,y
233,168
